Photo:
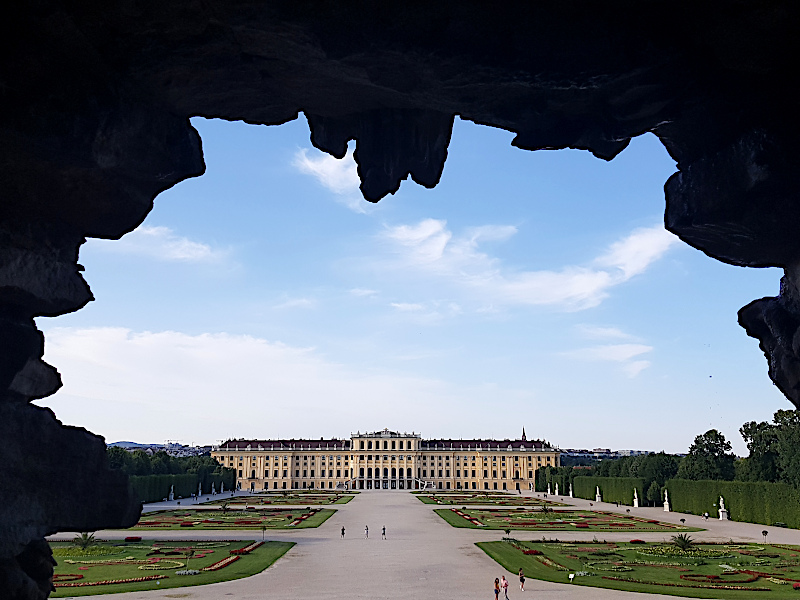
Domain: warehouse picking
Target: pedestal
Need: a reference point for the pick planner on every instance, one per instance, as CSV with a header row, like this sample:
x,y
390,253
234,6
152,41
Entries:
x,y
723,515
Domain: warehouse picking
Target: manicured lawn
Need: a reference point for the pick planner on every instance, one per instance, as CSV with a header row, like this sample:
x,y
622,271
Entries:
x,y
252,518
552,520
130,560
484,498
294,498
658,568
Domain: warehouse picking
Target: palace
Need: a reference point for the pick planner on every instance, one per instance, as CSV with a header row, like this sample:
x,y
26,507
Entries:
x,y
386,460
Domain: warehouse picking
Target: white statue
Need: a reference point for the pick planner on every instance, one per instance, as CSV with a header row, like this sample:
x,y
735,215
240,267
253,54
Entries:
x,y
556,489
171,496
597,496
548,489
666,500
721,503
570,491
635,498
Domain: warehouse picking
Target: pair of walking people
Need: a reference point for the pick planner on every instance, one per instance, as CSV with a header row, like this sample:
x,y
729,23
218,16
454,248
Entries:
x,y
502,584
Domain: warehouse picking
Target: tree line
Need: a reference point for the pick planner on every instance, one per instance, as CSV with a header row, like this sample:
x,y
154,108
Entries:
x,y
140,462
772,457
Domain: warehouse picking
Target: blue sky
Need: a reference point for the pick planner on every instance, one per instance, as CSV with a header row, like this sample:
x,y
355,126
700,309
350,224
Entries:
x,y
267,299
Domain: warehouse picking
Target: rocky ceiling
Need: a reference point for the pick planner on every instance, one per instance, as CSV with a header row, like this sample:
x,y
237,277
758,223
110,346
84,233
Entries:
x,y
96,98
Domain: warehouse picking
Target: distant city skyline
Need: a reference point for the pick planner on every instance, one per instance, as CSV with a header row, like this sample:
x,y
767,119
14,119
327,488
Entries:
x,y
266,299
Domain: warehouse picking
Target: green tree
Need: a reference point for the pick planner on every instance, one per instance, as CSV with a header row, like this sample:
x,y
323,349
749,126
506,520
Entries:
x,y
141,463
787,425
120,459
762,462
654,493
709,457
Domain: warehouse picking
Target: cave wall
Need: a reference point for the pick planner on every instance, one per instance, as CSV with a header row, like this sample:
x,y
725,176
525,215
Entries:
x,y
97,97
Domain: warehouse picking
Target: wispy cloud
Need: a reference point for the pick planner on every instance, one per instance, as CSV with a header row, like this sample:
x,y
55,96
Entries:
x,y
619,353
167,383
163,244
429,246
362,293
297,303
595,332
407,307
339,176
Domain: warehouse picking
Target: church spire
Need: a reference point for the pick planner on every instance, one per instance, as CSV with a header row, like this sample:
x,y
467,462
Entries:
x,y
524,438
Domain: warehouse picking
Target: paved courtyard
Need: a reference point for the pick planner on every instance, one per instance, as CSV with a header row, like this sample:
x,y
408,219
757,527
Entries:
x,y
423,557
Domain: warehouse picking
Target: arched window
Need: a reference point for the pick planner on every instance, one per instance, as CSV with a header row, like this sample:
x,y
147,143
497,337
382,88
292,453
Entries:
x,y
369,445
369,472
408,472
385,472
253,474
394,473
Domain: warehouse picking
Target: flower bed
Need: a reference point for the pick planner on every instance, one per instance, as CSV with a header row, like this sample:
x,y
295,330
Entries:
x,y
222,563
110,581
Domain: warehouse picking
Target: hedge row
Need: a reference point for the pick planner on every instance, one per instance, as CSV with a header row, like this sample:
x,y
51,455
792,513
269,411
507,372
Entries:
x,y
612,489
547,476
753,502
154,488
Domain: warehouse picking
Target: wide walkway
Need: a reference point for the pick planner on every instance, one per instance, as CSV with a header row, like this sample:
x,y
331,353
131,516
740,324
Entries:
x,y
422,557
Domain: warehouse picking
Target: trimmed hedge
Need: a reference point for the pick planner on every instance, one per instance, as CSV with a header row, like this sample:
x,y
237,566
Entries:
x,y
753,502
154,488
612,489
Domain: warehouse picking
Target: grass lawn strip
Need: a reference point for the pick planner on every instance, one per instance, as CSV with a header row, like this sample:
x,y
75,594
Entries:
x,y
129,566
553,520
238,519
728,571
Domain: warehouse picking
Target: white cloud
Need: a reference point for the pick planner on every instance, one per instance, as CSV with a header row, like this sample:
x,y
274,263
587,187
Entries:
x,y
633,254
339,176
595,332
152,386
407,307
360,292
429,246
161,243
620,353
297,303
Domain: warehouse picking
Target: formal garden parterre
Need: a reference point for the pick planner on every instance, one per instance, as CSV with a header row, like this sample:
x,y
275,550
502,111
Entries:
x,y
553,520
484,498
234,519
287,499
698,570
103,567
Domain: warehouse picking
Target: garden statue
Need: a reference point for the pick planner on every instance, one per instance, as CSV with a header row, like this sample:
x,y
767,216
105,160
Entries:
x,y
221,487
548,489
171,493
635,498
570,491
723,513
556,489
199,490
597,496
213,490
666,500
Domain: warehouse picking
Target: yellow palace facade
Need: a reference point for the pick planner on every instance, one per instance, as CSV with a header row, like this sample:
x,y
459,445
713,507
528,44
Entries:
x,y
385,460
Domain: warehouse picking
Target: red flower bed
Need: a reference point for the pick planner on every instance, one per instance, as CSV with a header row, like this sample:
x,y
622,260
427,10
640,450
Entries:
x,y
110,581
66,577
637,542
187,524
221,563
532,552
581,525
133,538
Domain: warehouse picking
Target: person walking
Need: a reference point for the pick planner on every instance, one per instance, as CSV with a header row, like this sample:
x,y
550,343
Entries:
x,y
504,585
383,533
496,589
521,580
366,532
342,532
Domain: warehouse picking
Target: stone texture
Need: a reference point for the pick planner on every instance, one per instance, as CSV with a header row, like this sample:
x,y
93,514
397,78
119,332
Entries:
x,y
96,104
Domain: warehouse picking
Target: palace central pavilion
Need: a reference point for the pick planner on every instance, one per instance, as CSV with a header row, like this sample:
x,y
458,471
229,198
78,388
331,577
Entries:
x,y
386,460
